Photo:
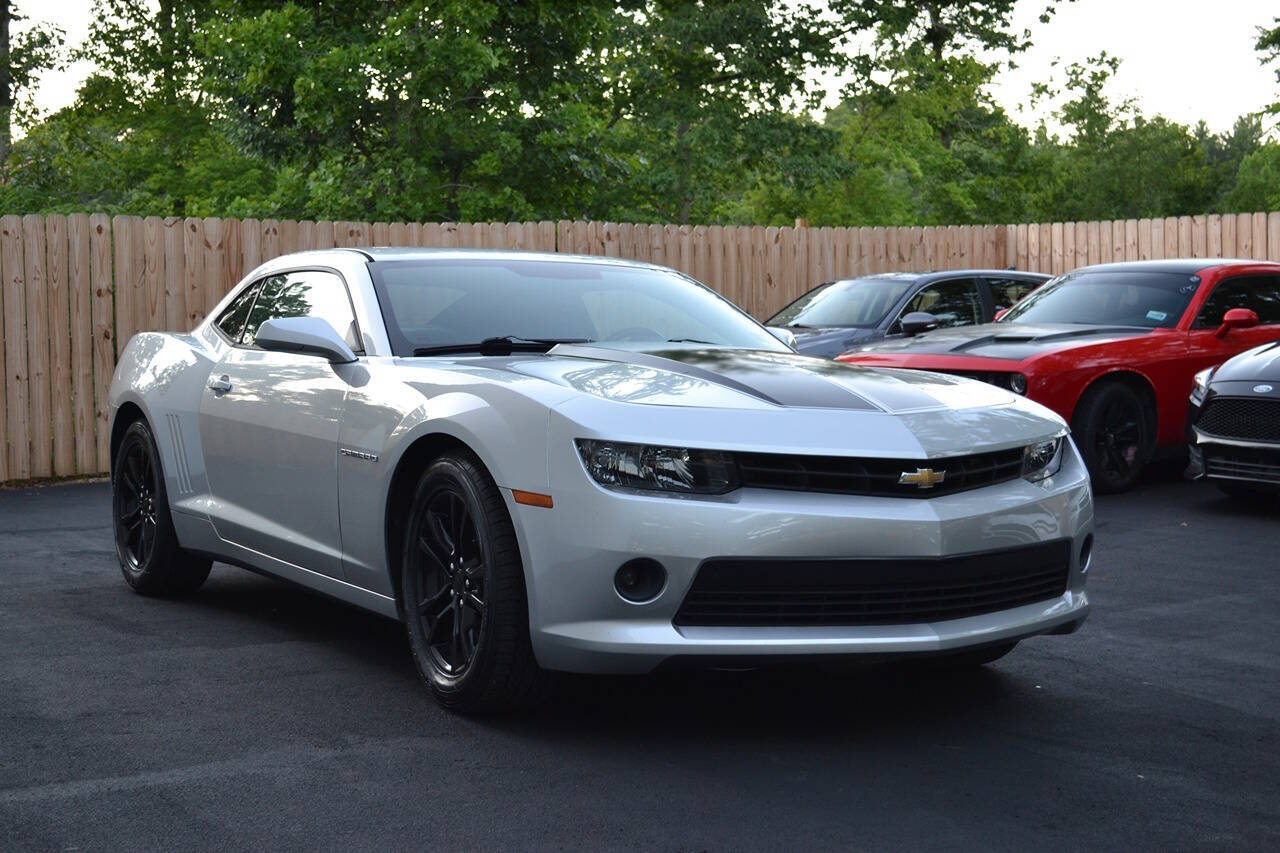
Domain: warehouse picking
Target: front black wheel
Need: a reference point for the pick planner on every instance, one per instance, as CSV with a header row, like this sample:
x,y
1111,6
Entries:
x,y
463,595
151,559
1110,428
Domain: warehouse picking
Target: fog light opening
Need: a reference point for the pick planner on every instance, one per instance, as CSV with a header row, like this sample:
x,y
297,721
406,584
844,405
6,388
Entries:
x,y
640,580
1086,552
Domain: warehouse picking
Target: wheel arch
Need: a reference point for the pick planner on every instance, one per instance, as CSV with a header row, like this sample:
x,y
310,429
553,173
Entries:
x,y
424,450
126,415
1140,384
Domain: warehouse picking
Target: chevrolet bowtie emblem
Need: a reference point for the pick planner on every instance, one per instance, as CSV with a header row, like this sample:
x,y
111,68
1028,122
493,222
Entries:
x,y
924,478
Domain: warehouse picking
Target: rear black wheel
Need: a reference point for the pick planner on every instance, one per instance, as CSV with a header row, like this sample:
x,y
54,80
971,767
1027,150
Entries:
x,y
151,559
463,594
1110,428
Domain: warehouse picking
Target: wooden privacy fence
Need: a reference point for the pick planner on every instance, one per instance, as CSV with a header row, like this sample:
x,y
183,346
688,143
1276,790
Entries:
x,y
74,288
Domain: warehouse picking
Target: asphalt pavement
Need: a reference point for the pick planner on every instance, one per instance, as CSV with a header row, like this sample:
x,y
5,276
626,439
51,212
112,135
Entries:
x,y
254,715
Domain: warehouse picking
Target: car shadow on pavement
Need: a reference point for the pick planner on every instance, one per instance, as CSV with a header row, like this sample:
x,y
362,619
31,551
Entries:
x,y
699,702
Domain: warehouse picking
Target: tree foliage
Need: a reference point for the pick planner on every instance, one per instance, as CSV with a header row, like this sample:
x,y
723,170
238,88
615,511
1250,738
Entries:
x,y
641,110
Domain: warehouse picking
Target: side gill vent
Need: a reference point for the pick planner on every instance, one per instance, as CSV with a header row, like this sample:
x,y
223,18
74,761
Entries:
x,y
180,469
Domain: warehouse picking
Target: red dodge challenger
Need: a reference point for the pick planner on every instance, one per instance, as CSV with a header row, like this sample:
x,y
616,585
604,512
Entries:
x,y
1111,348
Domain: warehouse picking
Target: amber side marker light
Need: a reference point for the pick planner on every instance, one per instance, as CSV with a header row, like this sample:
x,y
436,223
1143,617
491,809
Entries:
x,y
531,498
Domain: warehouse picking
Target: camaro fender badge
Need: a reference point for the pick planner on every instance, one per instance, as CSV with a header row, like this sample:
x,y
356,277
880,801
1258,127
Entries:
x,y
922,478
358,454
1262,389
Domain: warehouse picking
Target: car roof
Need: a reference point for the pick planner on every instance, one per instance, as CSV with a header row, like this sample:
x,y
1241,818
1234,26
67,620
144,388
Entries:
x,y
414,253
1183,266
934,275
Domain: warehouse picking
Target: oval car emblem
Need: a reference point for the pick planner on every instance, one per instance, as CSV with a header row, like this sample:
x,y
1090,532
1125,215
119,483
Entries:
x,y
1262,389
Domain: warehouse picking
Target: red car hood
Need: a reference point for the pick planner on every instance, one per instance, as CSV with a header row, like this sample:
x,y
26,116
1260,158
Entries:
x,y
1007,341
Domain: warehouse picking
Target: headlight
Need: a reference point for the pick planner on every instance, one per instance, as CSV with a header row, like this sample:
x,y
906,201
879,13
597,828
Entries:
x,y
1042,459
1200,385
1017,383
658,469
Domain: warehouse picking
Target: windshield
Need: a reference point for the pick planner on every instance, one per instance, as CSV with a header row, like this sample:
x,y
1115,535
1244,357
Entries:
x,y
1155,300
858,302
433,303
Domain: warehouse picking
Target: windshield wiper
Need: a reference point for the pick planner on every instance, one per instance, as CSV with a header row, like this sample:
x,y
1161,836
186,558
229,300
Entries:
x,y
691,341
503,345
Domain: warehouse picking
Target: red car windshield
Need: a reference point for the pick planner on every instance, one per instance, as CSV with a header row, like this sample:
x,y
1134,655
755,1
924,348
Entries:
x,y
1152,300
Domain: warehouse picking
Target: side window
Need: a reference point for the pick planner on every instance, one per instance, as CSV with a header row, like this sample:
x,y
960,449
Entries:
x,y
1006,291
1260,293
231,321
307,293
954,303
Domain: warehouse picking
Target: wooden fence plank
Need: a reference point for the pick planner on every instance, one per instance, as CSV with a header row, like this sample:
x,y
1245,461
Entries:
x,y
82,340
1171,249
151,313
1144,239
39,371
250,246
17,413
1156,249
1273,236
213,258
126,240
175,275
104,335
59,342
1244,236
1259,249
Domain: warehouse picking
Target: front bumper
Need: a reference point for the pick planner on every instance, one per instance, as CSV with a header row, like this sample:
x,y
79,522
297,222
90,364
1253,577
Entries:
x,y
1228,458
579,623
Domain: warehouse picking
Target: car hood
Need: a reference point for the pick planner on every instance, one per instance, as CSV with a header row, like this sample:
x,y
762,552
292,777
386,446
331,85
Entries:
x,y
1258,364
830,341
735,378
1011,341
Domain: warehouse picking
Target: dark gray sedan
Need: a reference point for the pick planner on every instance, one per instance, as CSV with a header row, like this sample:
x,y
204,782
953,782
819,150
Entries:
x,y
838,315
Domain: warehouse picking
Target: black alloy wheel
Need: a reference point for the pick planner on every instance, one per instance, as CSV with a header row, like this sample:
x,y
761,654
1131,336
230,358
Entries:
x,y
135,505
1110,427
452,591
152,561
462,592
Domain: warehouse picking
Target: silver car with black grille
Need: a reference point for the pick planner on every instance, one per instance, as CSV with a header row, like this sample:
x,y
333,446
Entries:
x,y
541,462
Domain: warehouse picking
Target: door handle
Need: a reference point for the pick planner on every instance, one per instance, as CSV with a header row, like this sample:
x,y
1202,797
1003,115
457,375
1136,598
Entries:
x,y
220,385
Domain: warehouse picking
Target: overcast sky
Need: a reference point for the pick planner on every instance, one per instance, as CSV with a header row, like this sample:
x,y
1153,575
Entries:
x,y
1185,59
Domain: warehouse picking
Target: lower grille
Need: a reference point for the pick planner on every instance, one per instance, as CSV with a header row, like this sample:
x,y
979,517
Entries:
x,y
1242,463
1246,418
876,477
774,592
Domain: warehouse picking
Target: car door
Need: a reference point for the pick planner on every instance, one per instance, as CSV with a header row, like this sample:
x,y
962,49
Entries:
x,y
269,426
1260,293
954,301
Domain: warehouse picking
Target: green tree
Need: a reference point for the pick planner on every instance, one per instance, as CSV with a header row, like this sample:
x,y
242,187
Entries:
x,y
24,53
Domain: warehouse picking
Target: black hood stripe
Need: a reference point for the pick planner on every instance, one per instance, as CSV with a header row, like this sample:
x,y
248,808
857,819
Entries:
x,y
771,377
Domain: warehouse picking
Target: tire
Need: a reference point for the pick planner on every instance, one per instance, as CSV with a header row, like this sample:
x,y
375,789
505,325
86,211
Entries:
x,y
1246,491
973,658
1112,430
463,595
152,561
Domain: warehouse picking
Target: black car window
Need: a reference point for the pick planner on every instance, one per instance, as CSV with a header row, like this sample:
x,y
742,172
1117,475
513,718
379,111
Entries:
x,y
231,321
1007,291
307,293
1261,293
954,303
858,302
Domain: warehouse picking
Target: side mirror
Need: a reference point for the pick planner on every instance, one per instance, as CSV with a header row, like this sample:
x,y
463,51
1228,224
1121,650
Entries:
x,y
1236,318
304,336
917,322
785,335
1000,313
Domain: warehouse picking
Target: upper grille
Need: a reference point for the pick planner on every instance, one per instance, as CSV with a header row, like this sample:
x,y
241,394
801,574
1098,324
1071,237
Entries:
x,y
1247,418
877,477
777,592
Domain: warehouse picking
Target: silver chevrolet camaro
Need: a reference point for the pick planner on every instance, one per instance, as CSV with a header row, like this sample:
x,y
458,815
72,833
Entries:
x,y
543,462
